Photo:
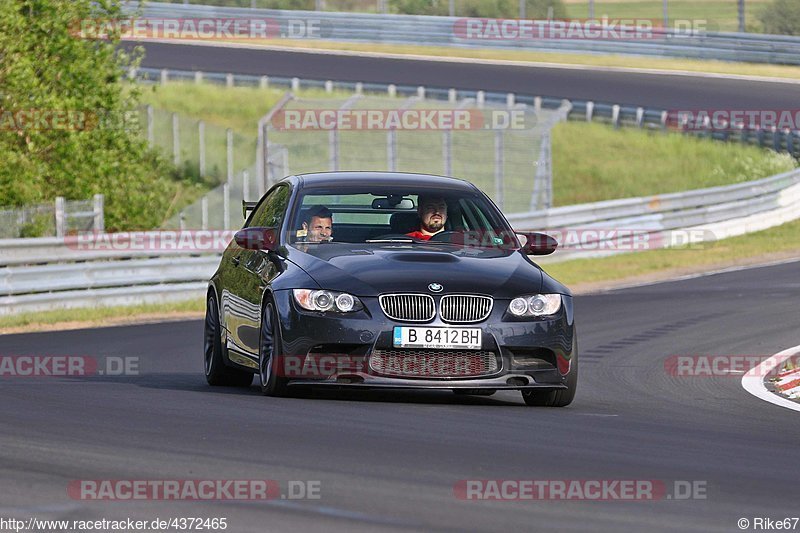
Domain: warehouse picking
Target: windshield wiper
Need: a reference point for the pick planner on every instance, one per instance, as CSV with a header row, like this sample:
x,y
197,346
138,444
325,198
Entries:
x,y
371,241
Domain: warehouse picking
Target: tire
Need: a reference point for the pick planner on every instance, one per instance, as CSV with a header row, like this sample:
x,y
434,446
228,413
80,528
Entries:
x,y
217,373
269,344
560,397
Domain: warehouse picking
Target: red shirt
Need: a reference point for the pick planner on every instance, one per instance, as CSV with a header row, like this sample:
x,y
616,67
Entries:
x,y
419,235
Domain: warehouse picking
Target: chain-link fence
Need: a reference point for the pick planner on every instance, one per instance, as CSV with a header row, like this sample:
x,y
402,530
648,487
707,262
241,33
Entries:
x,y
57,219
503,149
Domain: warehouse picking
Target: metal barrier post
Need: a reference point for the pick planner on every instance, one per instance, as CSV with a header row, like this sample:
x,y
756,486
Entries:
x,y
98,208
61,216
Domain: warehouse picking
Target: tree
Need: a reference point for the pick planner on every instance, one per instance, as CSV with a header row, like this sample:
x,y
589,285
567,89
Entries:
x,y
67,114
782,17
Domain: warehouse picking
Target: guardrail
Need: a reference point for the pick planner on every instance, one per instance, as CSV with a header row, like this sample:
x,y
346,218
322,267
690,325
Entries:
x,y
49,273
452,31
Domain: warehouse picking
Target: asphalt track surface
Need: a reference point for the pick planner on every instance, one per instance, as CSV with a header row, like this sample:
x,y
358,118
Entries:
x,y
389,461
670,92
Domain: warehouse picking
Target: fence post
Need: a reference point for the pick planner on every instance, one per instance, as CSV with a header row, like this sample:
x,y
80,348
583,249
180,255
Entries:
x,y
182,221
226,206
201,134
640,116
391,90
589,111
198,77
537,105
452,96
510,100
329,86
447,151
229,80
295,84
262,158
151,135
263,82
664,119
359,88
164,76
204,213
245,184
480,98
547,170
98,208
421,92
61,216
333,149
229,155
391,150
498,168
615,115
176,140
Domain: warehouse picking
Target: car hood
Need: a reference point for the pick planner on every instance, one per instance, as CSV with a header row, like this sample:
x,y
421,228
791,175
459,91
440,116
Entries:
x,y
374,269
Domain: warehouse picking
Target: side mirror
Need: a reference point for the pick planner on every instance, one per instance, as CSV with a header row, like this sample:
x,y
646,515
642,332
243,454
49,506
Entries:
x,y
538,244
257,238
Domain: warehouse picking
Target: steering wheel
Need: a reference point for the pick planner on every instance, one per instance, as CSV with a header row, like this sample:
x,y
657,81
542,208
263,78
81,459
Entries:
x,y
392,236
444,236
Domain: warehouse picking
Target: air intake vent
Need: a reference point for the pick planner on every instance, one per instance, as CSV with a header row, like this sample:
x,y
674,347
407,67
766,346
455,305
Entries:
x,y
465,308
408,307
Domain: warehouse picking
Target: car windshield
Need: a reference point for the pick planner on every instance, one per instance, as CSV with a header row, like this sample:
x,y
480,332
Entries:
x,y
431,216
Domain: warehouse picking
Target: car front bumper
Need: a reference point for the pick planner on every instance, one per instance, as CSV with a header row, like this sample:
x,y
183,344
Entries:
x,y
336,350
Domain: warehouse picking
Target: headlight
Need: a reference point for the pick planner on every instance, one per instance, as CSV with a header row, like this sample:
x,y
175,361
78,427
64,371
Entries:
x,y
536,305
337,302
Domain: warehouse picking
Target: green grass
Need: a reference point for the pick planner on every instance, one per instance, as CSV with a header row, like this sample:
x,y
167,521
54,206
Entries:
x,y
592,162
100,315
780,239
722,15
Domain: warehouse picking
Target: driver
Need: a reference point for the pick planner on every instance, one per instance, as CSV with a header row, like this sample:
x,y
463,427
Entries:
x,y
432,212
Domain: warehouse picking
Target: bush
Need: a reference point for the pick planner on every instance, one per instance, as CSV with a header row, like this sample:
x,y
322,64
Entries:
x,y
47,70
534,9
782,17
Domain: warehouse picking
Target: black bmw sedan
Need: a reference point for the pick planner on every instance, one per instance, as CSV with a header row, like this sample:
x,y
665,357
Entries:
x,y
388,280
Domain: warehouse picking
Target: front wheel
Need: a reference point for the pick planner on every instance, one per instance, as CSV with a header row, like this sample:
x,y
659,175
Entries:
x,y
217,373
269,349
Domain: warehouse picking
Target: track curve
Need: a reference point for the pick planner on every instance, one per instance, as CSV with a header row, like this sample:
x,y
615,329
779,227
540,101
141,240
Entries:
x,y
390,461
649,90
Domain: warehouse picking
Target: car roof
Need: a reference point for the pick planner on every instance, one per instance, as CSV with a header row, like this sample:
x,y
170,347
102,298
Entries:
x,y
348,179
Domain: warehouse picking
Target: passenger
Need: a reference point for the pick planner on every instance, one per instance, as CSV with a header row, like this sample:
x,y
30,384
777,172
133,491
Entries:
x,y
318,224
432,212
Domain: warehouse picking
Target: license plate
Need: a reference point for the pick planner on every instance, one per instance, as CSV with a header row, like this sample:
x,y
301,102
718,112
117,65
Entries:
x,y
445,338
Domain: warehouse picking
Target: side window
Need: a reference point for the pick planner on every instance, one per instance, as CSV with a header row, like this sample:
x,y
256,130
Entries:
x,y
272,210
